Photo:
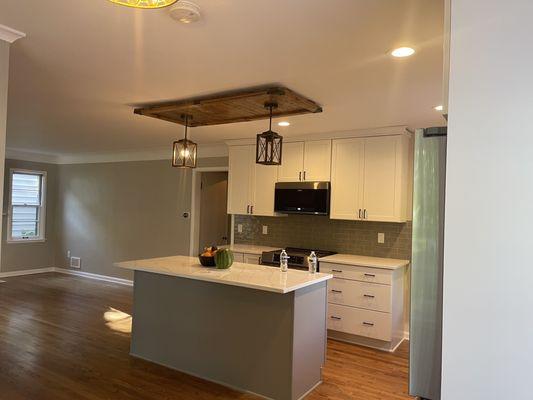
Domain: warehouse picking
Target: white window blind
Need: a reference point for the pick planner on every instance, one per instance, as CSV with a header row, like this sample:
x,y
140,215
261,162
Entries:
x,y
27,206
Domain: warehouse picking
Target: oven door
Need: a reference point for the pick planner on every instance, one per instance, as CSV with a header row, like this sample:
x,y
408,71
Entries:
x,y
302,198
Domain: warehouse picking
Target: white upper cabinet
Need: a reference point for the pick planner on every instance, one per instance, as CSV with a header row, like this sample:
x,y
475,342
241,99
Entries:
x,y
346,178
250,185
292,162
370,179
317,160
305,161
240,177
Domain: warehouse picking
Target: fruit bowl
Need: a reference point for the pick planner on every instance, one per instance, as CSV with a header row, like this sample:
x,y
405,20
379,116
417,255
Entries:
x,y
207,261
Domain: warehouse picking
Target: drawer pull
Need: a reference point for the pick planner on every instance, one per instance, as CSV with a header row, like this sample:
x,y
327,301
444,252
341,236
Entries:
x,y
370,275
369,296
368,324
334,317
336,291
336,270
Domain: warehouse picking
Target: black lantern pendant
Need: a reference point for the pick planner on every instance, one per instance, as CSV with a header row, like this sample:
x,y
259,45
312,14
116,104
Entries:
x,y
269,144
184,150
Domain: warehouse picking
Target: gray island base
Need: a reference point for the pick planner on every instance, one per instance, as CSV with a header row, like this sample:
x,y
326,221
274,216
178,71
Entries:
x,y
258,341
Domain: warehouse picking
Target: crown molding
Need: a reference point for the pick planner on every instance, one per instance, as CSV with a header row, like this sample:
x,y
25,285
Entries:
x,y
9,34
159,153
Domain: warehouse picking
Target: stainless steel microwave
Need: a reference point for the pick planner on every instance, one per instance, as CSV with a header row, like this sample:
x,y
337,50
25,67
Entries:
x,y
302,198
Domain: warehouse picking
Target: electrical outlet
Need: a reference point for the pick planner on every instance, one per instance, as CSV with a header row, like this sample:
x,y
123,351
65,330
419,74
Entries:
x,y
68,253
239,228
265,230
381,238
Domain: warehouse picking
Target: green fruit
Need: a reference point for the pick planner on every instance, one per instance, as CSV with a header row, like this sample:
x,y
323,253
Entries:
x,y
224,258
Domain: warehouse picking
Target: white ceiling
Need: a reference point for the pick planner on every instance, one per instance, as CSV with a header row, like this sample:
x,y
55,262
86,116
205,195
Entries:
x,y
83,64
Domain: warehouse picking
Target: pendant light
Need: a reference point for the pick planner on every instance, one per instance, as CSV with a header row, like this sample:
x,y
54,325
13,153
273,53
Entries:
x,y
269,144
145,3
184,151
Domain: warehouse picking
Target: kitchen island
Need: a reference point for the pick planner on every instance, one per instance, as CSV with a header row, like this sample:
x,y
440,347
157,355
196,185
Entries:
x,y
251,327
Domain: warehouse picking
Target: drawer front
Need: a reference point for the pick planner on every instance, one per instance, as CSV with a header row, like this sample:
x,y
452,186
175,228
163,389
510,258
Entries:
x,y
365,295
353,272
238,257
355,321
252,259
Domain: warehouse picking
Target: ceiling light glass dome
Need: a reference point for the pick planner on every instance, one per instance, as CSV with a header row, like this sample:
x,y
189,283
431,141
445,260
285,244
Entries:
x,y
145,3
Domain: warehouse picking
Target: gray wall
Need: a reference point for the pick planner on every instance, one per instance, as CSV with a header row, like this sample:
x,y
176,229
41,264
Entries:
x,y
309,231
110,212
4,77
22,256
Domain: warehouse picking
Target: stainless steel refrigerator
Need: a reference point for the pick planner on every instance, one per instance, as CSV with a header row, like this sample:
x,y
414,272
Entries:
x,y
427,263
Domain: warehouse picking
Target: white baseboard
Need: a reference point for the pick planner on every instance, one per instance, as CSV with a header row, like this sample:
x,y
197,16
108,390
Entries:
x,y
89,275
406,335
98,277
27,272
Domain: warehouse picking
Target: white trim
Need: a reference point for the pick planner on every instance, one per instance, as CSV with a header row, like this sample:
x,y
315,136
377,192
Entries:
x,y
381,131
194,233
42,208
207,150
97,277
26,272
9,34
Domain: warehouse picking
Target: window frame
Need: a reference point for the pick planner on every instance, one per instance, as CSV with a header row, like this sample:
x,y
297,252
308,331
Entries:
x,y
42,208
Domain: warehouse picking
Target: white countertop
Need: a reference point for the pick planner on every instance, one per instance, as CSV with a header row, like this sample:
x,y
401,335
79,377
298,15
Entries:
x,y
251,276
365,261
248,248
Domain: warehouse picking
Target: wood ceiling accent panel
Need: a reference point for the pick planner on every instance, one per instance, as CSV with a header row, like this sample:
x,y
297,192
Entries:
x,y
230,107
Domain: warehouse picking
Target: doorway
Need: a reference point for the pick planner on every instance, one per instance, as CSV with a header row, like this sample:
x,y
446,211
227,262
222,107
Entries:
x,y
211,224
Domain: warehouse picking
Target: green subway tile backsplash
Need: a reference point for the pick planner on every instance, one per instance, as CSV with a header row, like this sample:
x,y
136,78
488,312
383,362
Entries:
x,y
318,232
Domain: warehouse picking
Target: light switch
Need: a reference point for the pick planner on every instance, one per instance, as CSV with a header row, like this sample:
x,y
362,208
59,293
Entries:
x,y
381,238
239,228
265,230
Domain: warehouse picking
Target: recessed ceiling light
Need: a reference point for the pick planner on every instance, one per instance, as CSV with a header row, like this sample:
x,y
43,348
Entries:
x,y
401,52
284,123
438,108
185,12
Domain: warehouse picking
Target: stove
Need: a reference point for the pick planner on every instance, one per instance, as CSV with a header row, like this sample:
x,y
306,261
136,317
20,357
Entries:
x,y
297,257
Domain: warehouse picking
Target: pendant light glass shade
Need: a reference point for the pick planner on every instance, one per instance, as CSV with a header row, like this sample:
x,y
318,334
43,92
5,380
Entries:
x,y
184,151
269,144
145,3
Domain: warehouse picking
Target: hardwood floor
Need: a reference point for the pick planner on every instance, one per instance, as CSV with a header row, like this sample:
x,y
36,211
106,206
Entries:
x,y
58,343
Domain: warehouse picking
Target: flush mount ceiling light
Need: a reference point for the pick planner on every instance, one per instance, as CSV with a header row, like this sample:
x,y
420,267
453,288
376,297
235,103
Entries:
x,y
185,12
284,123
184,151
144,3
269,144
438,108
402,52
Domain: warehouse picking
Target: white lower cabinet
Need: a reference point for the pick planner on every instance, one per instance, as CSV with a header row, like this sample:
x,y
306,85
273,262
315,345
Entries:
x,y
366,305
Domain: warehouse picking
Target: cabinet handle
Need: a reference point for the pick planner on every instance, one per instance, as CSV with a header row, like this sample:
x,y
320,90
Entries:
x,y
369,296
251,209
365,215
336,270
300,175
370,275
368,323
336,291
360,214
304,175
248,209
334,317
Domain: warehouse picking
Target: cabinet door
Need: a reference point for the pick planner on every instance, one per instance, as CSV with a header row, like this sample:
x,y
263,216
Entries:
x,y
240,178
265,177
317,160
292,162
346,178
381,199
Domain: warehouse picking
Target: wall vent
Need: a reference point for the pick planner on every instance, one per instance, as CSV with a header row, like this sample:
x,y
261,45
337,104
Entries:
x,y
75,262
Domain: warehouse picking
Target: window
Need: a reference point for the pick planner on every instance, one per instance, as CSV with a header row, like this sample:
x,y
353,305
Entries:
x,y
27,206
